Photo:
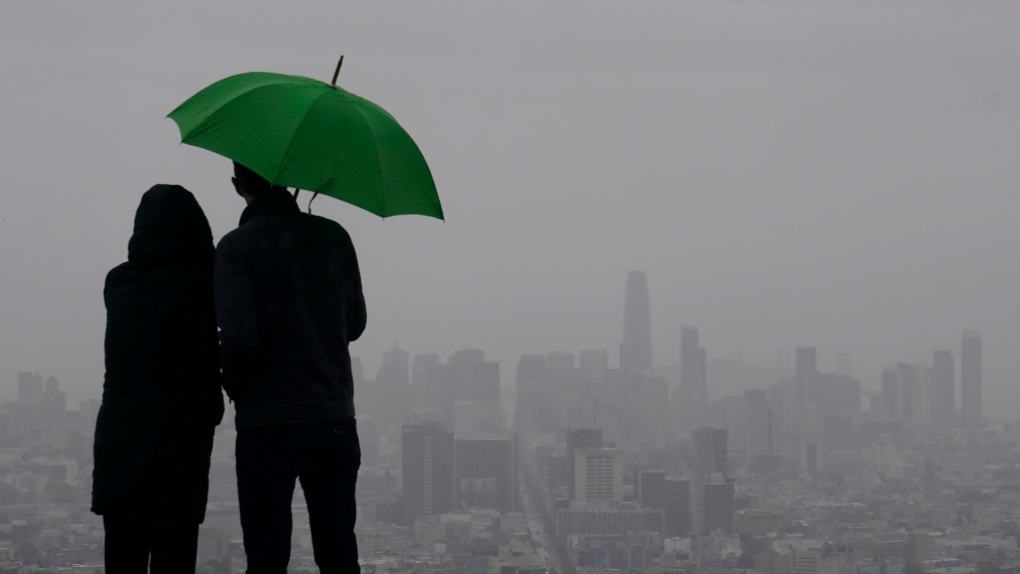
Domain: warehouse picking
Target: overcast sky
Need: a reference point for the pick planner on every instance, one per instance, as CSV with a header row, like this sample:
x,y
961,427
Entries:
x,y
837,174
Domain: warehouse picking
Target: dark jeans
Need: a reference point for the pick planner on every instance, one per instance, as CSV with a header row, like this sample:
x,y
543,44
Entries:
x,y
129,546
326,458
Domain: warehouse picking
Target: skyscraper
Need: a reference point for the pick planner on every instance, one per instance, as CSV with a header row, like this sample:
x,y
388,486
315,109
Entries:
x,y
757,424
693,378
807,362
943,388
578,439
487,471
594,365
678,507
709,463
427,457
598,475
30,387
636,349
970,378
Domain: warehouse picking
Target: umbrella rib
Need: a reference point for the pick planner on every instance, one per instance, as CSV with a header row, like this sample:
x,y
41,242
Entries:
x,y
286,152
378,162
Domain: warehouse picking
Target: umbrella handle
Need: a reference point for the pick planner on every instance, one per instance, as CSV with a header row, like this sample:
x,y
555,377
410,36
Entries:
x,y
314,195
295,193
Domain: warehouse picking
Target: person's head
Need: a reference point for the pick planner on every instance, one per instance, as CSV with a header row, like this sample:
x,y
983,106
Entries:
x,y
170,227
249,184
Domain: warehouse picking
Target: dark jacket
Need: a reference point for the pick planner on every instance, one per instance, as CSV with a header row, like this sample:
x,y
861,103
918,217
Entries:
x,y
288,301
161,393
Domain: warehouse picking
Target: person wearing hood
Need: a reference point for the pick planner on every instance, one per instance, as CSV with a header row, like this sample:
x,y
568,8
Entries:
x,y
161,392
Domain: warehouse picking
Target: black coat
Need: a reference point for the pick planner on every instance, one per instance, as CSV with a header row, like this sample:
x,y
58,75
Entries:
x,y
288,301
161,393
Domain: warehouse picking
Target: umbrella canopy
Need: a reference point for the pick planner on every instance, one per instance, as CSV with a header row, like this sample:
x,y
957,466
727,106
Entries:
x,y
303,133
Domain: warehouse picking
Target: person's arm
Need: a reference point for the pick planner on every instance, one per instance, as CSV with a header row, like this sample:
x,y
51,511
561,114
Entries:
x,y
235,315
198,351
355,313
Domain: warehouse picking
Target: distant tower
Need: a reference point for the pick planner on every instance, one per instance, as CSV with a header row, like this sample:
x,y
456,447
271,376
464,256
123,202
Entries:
x,y
757,424
943,389
970,378
709,464
636,349
577,439
693,378
428,467
807,363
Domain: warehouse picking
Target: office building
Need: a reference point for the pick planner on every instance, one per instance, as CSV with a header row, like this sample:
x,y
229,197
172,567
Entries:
x,y
650,486
577,439
693,393
710,450
636,349
30,387
757,424
719,501
427,469
598,475
594,365
678,507
970,378
943,389
487,471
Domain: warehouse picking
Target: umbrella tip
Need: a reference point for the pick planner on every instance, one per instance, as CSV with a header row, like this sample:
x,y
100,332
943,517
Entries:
x,y
337,72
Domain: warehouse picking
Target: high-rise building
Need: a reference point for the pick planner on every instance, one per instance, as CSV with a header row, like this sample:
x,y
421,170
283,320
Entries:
x,y
970,378
719,504
578,439
487,471
30,387
921,410
651,488
598,475
636,349
710,450
678,507
757,424
943,389
393,386
532,408
806,362
594,365
428,469
693,394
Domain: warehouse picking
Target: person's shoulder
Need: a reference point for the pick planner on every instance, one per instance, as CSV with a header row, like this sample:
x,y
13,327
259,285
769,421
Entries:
x,y
328,225
233,237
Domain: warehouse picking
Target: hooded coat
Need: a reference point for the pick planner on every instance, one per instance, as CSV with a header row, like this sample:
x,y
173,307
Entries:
x,y
161,392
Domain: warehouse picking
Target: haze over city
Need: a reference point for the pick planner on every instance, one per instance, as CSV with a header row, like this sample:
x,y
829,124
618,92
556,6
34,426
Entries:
x,y
721,287
828,174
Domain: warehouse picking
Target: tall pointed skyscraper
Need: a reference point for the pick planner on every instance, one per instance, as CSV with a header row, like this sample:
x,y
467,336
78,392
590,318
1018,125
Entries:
x,y
636,349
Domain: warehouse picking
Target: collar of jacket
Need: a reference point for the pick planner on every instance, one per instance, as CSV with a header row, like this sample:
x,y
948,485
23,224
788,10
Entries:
x,y
268,203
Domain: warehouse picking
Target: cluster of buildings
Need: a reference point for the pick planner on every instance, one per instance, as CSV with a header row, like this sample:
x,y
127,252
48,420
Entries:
x,y
577,464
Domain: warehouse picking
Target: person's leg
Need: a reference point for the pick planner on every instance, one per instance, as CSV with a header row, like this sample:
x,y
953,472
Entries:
x,y
175,549
265,488
328,481
126,546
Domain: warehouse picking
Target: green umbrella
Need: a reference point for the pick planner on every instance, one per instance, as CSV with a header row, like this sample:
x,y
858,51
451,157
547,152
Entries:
x,y
306,134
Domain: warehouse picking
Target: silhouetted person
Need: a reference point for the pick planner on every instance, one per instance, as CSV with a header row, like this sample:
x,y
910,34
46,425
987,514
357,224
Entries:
x,y
288,301
161,393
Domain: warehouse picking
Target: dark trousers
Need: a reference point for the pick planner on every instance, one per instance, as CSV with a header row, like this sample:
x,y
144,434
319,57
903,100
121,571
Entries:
x,y
325,457
133,548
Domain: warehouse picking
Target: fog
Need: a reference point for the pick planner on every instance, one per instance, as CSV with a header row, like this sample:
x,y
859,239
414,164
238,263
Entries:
x,y
832,174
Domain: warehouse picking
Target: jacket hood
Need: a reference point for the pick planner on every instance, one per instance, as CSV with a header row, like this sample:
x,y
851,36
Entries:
x,y
171,229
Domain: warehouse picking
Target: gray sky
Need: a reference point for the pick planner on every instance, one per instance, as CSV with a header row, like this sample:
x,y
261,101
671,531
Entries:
x,y
837,174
